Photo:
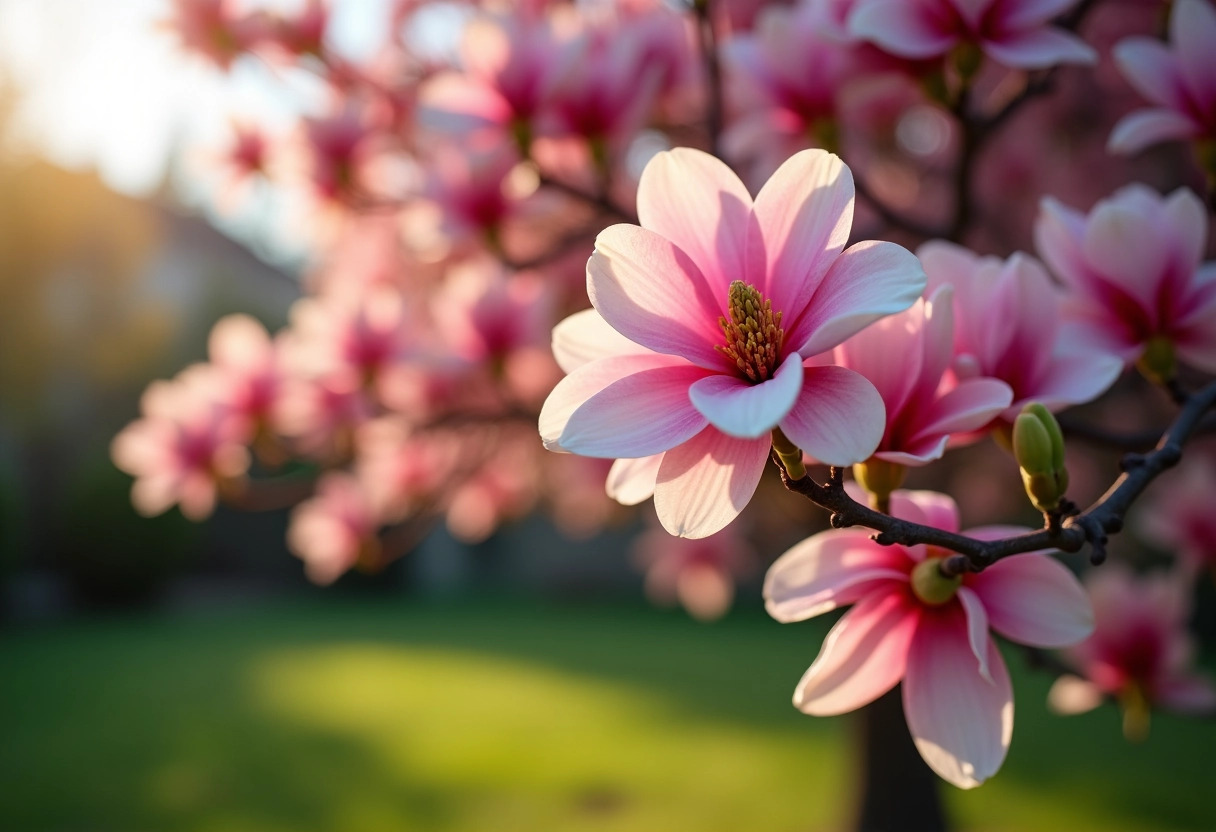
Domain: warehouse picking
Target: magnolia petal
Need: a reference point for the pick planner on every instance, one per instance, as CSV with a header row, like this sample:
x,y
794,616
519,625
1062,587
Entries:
x,y
961,723
642,414
1074,376
970,406
1192,32
929,508
868,281
828,570
977,628
747,411
863,656
1038,49
1073,695
839,418
1188,695
908,30
1150,67
575,389
1127,251
1032,599
697,202
1029,13
631,481
1145,128
652,293
704,483
804,214
585,336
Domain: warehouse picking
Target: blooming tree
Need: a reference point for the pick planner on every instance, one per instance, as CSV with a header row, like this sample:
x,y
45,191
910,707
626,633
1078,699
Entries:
x,y
724,165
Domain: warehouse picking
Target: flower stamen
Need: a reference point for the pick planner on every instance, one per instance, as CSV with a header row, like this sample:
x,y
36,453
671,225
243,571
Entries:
x,y
753,332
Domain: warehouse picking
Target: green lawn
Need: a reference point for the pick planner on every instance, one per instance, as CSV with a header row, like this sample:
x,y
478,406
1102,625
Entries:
x,y
384,716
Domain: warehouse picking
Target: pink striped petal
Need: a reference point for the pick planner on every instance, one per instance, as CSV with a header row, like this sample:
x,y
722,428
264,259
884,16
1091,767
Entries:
x,y
1058,232
704,483
970,406
889,354
1193,34
642,414
909,30
631,481
1150,67
828,570
839,418
1128,255
961,723
1145,128
1073,377
585,337
804,214
1038,49
1033,599
575,389
870,280
697,202
863,657
652,293
739,408
977,628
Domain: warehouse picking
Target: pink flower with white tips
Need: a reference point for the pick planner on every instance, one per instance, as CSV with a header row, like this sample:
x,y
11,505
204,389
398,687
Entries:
x,y
729,298
1133,271
184,449
1015,33
1008,325
1139,652
904,357
1180,81
911,624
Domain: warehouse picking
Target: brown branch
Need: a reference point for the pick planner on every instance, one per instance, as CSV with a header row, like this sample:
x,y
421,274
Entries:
x,y
600,201
1066,533
892,217
715,108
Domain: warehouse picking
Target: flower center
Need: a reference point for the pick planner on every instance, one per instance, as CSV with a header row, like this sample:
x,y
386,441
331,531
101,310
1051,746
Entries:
x,y
753,332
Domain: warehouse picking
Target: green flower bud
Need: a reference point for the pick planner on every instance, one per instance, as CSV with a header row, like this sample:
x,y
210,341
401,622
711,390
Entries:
x,y
1038,446
879,478
930,585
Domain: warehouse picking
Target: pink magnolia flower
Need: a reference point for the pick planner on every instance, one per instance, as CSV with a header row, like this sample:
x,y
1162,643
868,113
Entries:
x,y
1180,81
910,624
216,29
729,298
486,314
700,574
334,530
1014,33
1132,268
1177,514
246,364
905,357
471,188
1008,325
1139,652
184,449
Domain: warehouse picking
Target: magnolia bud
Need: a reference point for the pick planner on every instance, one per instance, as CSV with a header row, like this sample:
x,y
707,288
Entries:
x,y
879,478
930,585
1038,446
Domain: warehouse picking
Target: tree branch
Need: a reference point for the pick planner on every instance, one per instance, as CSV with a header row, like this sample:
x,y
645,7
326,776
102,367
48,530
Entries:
x,y
1069,534
715,112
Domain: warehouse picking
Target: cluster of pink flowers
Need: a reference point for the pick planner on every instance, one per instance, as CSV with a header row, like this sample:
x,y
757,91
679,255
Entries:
x,y
457,193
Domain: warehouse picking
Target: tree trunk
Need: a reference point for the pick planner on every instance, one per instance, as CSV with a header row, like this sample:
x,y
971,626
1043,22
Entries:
x,y
898,792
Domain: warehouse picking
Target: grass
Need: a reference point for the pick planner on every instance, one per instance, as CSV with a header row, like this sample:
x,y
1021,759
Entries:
x,y
506,716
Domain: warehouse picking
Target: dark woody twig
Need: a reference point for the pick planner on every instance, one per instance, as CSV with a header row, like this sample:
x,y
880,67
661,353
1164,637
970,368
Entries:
x,y
1069,534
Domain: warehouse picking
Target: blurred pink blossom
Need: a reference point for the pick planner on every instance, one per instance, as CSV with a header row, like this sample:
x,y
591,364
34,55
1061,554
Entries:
x,y
912,625
730,323
1178,514
1180,81
334,530
1133,272
217,29
1014,33
1139,653
700,574
184,449
248,373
